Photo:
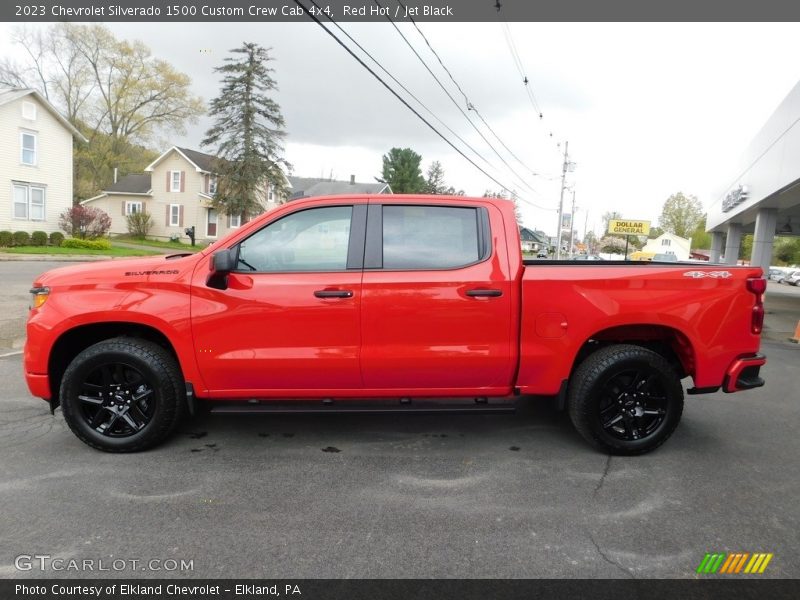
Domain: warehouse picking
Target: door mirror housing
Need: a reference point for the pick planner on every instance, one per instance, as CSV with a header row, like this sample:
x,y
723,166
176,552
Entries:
x,y
222,263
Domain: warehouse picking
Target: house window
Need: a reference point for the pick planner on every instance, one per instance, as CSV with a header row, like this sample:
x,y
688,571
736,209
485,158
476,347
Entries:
x,y
270,193
132,207
174,215
28,202
28,143
212,185
175,181
29,111
666,242
211,223
236,221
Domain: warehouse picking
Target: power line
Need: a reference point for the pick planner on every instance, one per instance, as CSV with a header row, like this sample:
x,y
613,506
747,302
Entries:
x,y
453,100
470,105
360,47
518,62
406,104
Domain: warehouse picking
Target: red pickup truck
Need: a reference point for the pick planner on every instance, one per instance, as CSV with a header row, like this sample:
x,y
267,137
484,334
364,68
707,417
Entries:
x,y
387,298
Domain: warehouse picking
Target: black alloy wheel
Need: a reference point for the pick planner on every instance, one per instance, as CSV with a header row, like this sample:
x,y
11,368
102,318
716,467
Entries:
x,y
625,399
123,395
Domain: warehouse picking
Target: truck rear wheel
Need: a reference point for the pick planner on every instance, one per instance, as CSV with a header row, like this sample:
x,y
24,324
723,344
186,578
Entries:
x,y
625,399
122,395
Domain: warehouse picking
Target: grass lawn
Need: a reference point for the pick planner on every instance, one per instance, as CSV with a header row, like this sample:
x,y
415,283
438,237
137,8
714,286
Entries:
x,y
158,243
76,251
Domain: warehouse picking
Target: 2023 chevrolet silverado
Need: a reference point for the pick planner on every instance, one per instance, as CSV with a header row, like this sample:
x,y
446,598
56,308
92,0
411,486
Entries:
x,y
387,297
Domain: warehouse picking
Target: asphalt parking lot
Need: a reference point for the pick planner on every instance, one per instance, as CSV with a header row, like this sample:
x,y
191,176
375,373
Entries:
x,y
380,496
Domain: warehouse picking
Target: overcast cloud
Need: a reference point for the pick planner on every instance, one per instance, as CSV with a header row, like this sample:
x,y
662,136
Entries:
x,y
648,109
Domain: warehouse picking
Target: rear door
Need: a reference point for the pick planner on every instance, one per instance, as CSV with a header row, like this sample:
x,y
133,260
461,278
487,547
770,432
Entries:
x,y
436,300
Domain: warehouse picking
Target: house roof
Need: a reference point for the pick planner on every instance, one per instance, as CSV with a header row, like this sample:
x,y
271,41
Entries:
x,y
527,235
8,94
135,183
200,160
303,187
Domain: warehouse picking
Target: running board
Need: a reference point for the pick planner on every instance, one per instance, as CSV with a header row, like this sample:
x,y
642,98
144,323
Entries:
x,y
327,406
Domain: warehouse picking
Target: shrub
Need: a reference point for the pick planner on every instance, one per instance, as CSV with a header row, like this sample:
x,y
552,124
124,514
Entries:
x,y
22,238
56,238
85,222
101,244
175,238
139,224
6,239
39,238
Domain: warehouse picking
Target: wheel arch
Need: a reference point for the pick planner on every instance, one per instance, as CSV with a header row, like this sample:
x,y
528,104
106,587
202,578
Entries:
x,y
667,341
73,341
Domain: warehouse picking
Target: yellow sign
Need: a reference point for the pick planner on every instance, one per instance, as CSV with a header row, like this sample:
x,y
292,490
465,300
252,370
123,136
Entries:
x,y
622,227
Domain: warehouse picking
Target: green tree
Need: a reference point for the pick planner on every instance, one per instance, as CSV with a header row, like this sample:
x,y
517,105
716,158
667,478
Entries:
x,y
746,247
247,133
401,170
701,239
434,179
655,232
681,215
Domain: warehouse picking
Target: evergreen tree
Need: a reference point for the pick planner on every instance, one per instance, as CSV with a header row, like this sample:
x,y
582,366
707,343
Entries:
x,y
247,133
401,170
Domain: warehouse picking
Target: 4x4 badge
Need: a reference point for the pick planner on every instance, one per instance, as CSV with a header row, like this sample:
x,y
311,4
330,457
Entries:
x,y
712,274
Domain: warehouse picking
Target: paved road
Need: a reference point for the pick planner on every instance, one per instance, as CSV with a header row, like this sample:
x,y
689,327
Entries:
x,y
411,496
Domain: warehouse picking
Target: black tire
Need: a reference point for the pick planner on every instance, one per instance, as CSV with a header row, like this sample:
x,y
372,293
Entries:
x,y
123,395
625,399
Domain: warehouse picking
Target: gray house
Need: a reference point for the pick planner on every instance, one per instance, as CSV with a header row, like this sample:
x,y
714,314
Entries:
x,y
304,187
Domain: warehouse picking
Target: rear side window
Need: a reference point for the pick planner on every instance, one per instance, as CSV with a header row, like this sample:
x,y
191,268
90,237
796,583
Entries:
x,y
430,237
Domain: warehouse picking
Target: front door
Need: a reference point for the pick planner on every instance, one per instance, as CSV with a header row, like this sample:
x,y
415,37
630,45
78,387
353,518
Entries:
x,y
288,319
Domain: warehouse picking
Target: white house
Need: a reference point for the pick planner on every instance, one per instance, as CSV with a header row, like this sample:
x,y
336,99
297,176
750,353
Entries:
x,y
35,162
177,189
669,243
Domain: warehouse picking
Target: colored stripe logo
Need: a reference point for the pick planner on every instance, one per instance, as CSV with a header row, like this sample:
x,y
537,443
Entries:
x,y
734,563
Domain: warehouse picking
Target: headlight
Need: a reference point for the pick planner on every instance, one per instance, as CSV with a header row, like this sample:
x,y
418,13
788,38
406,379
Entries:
x,y
39,296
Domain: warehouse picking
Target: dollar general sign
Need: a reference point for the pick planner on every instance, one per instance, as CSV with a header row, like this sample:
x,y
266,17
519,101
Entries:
x,y
622,227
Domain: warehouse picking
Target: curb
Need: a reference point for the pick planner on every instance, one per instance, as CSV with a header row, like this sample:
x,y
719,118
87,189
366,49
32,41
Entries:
x,y
61,257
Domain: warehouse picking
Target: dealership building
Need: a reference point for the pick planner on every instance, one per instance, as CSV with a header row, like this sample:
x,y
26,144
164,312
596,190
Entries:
x,y
763,195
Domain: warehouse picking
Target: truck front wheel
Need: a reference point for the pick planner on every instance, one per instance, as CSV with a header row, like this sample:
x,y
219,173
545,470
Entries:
x,y
625,399
122,395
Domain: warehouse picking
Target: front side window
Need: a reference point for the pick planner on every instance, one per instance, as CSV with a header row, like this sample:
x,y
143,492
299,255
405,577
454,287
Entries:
x,y
666,242
212,185
29,202
175,179
174,215
132,207
316,239
236,221
429,237
28,142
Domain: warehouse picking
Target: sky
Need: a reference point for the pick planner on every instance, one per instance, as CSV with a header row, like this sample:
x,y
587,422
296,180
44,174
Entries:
x,y
648,109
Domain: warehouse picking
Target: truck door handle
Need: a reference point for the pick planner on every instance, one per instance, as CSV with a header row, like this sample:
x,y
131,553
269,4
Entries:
x,y
484,293
333,294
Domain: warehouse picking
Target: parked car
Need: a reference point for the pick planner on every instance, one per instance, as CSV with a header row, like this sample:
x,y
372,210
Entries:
x,y
793,278
664,258
588,257
389,300
787,274
776,274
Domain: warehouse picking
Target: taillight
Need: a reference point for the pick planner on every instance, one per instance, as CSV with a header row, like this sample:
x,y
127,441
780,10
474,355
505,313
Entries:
x,y
757,287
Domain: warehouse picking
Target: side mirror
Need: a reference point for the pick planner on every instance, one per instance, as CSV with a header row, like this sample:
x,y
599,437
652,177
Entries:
x,y
222,263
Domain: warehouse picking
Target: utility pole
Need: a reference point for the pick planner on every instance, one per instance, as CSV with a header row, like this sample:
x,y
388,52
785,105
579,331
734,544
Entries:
x,y
585,225
572,228
561,201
